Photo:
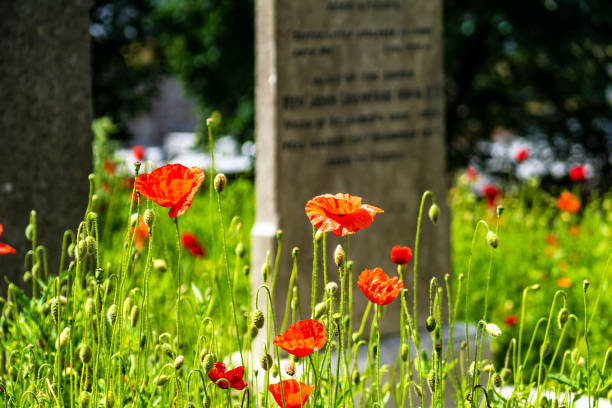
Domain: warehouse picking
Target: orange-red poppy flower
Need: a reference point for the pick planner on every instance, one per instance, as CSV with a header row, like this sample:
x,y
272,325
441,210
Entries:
x,y
4,248
578,173
191,243
138,151
142,234
401,255
551,239
342,214
302,338
568,202
295,393
564,282
172,185
378,287
234,377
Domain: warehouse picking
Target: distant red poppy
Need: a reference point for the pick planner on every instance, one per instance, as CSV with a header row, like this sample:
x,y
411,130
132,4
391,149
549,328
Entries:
x,y
342,214
551,239
142,234
401,255
568,202
109,166
490,192
172,185
378,287
295,393
521,155
191,243
4,248
126,183
578,173
511,320
574,230
138,152
471,173
234,377
302,338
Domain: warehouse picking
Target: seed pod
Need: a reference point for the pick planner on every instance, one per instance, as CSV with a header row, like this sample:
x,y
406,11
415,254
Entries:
x,y
84,399
209,361
319,236
265,272
127,306
99,275
320,309
149,218
497,380
257,319
90,307
240,250
279,234
492,239
265,361
500,210
160,380
356,337
178,362
434,213
405,350
64,337
253,331
355,377
295,252
274,370
294,299
562,317
90,242
27,277
111,314
432,380
339,256
331,288
430,323
290,369
493,330
220,182
85,353
134,314
160,265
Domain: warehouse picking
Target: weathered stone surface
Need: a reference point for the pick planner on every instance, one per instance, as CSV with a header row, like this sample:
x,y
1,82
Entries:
x,y
350,99
45,136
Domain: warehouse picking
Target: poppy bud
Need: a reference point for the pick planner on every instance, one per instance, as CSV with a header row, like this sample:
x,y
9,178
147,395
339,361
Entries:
x,y
64,337
585,285
91,244
178,362
90,307
265,271
545,348
27,277
253,331
274,370
331,288
279,234
434,213
430,323
405,350
580,362
320,309
246,269
111,314
220,182
149,218
432,380
356,337
29,232
574,355
493,330
134,314
160,380
319,236
500,210
290,369
209,361
85,353
562,317
134,219
374,350
497,380
355,377
84,398
127,306
209,122
160,265
99,274
295,252
339,256
81,249
54,310
240,251
505,374
295,299
492,239
71,250
265,361
257,319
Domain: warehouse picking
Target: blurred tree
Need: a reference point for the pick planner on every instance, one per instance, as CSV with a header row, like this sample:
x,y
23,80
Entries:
x,y
210,44
539,67
126,60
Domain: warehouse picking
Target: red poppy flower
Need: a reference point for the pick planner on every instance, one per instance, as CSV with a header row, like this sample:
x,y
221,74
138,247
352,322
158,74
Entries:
x,y
401,255
471,173
295,393
191,243
378,287
302,338
234,377
4,248
551,239
109,166
564,282
568,202
521,155
138,152
142,234
172,185
342,214
574,230
511,320
578,173
490,192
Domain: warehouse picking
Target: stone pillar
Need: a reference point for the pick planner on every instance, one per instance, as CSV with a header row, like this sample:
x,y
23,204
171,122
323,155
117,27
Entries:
x,y
45,135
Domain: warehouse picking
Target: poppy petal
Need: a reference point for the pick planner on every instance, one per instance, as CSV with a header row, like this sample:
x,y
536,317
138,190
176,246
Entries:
x,y
302,338
6,249
295,393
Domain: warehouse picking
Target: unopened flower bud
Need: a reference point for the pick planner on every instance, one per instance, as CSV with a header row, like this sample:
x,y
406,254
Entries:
x,y
434,213
497,380
29,232
331,288
279,234
134,219
90,307
220,182
257,319
500,210
265,271
240,251
111,314
127,306
432,380
64,337
209,361
160,265
253,331
91,245
580,362
339,256
295,252
492,239
356,337
562,317
134,314
493,330
405,350
290,369
319,236
71,250
27,277
85,353
505,374
585,285
274,370
149,218
355,377
320,309
160,380
81,249
178,362
430,323
265,361
418,390
84,398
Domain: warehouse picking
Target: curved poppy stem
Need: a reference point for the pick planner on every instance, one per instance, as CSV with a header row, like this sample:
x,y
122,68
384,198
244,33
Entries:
x,y
316,376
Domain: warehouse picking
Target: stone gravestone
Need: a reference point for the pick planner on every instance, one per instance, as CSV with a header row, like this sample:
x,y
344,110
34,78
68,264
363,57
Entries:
x,y
45,135
350,99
